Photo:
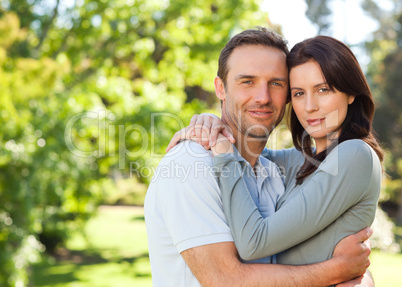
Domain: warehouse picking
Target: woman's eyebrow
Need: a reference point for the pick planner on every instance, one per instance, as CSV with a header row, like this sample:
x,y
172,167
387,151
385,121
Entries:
x,y
315,86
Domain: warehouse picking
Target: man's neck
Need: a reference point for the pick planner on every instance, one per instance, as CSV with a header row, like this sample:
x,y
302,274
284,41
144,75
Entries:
x,y
249,148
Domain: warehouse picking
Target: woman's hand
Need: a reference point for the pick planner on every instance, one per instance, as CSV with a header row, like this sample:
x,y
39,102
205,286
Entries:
x,y
204,129
223,145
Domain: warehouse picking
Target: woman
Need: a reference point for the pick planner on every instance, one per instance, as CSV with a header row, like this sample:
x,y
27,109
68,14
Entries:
x,y
332,189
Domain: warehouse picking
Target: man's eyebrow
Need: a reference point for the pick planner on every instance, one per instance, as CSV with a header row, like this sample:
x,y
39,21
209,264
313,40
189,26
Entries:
x,y
244,76
280,79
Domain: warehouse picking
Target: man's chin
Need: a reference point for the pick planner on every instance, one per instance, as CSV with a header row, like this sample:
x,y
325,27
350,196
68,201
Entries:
x,y
261,132
263,135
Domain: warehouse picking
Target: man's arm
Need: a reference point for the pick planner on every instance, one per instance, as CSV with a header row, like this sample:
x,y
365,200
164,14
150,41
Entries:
x,y
362,281
218,265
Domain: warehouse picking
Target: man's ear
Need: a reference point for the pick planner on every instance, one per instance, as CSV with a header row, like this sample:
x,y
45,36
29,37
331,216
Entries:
x,y
219,88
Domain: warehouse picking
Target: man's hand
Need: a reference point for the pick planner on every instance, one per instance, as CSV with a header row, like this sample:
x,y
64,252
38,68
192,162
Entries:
x,y
362,281
353,252
352,283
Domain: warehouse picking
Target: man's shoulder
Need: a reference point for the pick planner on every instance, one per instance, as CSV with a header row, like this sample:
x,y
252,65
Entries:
x,y
187,163
187,151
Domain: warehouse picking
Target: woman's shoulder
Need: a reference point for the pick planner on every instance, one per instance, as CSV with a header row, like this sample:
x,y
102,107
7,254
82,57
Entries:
x,y
355,149
354,143
355,154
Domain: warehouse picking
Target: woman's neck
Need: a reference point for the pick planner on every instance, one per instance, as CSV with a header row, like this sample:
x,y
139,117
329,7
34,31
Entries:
x,y
322,144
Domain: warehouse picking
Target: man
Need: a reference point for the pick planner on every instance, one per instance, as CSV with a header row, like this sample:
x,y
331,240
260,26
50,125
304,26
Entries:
x,y
190,243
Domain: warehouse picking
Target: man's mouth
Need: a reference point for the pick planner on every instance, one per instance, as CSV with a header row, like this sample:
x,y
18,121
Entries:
x,y
260,113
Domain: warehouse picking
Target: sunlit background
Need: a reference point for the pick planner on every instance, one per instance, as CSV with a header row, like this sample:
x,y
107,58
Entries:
x,y
91,93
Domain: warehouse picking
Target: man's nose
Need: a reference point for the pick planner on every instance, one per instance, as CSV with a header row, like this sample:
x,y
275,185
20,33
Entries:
x,y
263,96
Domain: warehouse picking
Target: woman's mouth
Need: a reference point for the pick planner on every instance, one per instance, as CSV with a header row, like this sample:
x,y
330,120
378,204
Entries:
x,y
315,122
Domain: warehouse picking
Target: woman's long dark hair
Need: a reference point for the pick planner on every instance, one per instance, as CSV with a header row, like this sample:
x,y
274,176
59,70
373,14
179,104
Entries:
x,y
343,73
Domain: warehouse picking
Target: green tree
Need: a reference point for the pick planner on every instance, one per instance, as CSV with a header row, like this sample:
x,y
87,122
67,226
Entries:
x,y
44,190
319,13
384,73
92,91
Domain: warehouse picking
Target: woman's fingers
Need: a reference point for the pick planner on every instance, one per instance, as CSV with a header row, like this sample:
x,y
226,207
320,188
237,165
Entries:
x,y
185,133
204,129
199,121
215,130
223,145
193,119
227,133
219,128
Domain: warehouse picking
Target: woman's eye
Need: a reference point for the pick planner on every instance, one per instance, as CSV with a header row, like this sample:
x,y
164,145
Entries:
x,y
247,82
297,94
323,90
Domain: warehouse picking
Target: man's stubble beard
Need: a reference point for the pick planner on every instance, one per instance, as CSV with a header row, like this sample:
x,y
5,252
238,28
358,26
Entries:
x,y
256,131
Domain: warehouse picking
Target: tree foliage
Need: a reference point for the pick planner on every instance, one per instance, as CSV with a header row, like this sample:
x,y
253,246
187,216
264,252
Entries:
x,y
385,74
92,91
318,12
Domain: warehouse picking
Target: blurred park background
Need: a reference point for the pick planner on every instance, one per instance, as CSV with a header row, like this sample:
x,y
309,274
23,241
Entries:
x,y
91,93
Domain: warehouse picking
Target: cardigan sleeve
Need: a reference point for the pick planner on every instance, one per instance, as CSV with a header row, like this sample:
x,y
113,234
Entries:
x,y
288,160
350,173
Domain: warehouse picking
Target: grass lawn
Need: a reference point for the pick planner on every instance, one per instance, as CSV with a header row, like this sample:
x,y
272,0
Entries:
x,y
386,269
112,252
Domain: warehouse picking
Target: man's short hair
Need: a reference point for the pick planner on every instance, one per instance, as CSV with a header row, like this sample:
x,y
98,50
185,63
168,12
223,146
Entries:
x,y
258,36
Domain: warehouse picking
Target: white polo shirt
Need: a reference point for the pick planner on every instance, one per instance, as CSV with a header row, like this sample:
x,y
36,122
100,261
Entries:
x,y
183,209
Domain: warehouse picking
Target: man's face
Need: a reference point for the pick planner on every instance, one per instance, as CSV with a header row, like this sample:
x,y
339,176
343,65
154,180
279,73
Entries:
x,y
254,98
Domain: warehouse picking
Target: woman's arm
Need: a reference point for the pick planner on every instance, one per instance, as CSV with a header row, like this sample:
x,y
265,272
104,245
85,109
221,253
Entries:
x,y
320,200
285,159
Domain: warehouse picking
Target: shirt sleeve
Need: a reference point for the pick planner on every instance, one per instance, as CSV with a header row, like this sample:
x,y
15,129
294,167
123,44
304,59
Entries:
x,y
340,182
190,204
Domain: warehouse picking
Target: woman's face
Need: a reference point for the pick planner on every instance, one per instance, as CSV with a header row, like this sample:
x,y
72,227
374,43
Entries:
x,y
319,110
